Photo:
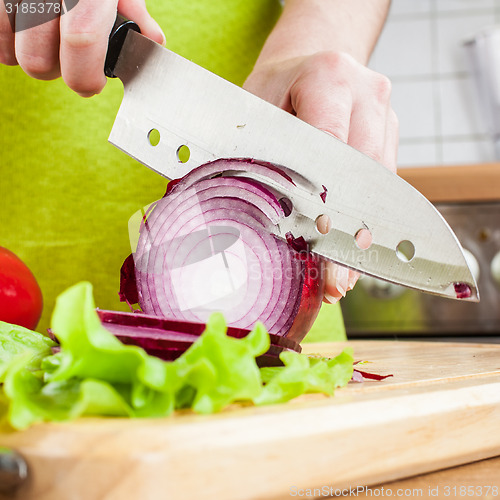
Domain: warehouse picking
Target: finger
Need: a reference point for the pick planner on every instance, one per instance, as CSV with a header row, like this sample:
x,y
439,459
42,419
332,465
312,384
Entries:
x,y
84,41
136,11
37,48
336,283
322,96
352,279
337,278
7,26
369,118
390,156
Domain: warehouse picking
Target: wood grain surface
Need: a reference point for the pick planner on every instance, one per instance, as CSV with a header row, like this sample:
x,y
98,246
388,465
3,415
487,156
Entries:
x,y
476,480
464,183
440,409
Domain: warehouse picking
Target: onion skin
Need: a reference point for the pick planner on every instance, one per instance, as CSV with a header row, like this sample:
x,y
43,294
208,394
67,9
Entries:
x,y
252,208
128,287
312,297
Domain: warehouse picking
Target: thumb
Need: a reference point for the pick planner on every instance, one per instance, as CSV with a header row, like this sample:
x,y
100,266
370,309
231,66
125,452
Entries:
x,y
136,11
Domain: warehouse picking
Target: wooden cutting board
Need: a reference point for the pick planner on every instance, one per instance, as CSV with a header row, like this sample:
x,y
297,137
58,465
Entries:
x,y
441,408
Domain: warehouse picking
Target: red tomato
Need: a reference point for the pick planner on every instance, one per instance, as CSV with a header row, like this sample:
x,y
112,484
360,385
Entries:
x,y
20,296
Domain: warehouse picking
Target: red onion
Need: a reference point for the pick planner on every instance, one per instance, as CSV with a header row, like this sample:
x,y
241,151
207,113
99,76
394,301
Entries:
x,y
169,338
207,246
462,290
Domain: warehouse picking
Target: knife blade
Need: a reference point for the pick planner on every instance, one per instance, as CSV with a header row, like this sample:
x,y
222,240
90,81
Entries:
x,y
193,108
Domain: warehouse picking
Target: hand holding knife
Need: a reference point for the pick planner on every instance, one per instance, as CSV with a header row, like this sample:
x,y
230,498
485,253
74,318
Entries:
x,y
412,244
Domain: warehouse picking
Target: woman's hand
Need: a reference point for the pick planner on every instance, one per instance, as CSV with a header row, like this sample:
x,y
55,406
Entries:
x,y
314,65
72,45
335,93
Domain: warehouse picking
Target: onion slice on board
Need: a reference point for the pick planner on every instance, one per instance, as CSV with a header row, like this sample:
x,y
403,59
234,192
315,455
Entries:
x,y
168,338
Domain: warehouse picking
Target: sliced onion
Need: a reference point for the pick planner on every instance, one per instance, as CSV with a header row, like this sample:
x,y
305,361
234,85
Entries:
x,y
230,166
168,338
208,246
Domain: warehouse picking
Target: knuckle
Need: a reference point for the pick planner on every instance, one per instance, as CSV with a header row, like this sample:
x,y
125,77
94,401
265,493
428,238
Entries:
x,y
334,60
393,120
376,154
338,131
82,31
382,88
338,68
330,59
79,39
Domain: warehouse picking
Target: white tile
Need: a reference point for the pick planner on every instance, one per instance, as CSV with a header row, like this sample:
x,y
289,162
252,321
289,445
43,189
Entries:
x,y
451,33
413,102
417,154
468,151
433,93
459,108
404,49
461,5
404,7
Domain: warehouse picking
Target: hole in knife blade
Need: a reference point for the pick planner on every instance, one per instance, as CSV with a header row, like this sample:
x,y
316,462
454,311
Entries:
x,y
323,224
154,137
405,251
183,154
363,238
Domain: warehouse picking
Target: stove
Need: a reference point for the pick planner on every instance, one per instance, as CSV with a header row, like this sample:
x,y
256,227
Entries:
x,y
379,309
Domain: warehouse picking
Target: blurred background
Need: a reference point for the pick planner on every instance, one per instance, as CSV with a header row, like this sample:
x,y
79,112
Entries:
x,y
421,50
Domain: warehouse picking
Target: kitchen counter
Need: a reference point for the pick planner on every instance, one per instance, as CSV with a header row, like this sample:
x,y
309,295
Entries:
x,y
462,183
440,409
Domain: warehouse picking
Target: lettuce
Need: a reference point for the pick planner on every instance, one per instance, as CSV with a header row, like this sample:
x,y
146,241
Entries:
x,y
303,374
17,341
220,369
95,374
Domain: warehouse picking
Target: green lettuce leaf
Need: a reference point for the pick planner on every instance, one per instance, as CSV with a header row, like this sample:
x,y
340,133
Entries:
x,y
95,374
303,374
17,341
220,369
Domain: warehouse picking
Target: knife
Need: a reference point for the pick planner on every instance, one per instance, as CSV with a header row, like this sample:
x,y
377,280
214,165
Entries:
x,y
193,109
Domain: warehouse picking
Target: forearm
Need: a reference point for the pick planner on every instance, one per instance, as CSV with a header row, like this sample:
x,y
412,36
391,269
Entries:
x,y
310,26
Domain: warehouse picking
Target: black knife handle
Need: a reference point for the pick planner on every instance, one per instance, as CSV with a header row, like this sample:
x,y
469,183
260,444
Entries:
x,y
116,41
13,473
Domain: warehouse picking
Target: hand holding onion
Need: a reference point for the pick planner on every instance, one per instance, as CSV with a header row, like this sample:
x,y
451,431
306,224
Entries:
x,y
332,90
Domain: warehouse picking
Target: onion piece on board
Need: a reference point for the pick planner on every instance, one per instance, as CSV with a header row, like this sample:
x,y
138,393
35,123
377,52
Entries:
x,y
168,339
